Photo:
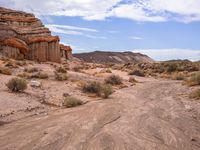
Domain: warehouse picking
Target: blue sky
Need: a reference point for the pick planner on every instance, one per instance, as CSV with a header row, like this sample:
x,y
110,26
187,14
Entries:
x,y
162,29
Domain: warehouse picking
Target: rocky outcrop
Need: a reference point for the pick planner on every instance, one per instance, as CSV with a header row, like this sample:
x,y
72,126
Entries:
x,y
113,57
66,51
22,35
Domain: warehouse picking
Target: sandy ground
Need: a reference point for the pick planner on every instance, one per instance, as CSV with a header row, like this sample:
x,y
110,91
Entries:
x,y
154,114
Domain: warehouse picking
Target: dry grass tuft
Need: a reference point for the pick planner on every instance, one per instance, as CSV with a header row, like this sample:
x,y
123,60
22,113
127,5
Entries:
x,y
103,90
137,72
31,70
61,76
194,79
113,80
195,94
71,102
5,70
17,84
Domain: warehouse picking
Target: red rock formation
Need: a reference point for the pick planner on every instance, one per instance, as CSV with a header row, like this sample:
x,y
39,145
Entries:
x,y
66,51
24,36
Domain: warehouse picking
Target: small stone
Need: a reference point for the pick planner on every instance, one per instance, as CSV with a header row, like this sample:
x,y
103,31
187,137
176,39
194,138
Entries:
x,y
35,84
45,132
66,94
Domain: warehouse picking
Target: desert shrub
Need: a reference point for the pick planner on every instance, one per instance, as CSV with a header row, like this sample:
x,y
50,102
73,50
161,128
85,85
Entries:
x,y
92,87
71,102
78,68
6,71
113,80
106,71
132,80
39,75
42,75
178,76
61,70
194,79
137,73
171,67
103,90
21,63
61,76
31,70
195,94
11,64
24,75
17,84
106,90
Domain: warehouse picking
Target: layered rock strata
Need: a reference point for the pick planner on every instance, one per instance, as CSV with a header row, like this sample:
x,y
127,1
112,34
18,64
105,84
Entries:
x,y
66,51
22,35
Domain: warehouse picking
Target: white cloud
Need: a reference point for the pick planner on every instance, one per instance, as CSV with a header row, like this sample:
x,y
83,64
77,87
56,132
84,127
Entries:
x,y
136,38
95,37
63,31
169,54
71,27
139,10
74,30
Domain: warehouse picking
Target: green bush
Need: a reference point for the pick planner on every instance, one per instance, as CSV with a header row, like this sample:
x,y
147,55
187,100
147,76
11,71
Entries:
x,y
113,80
17,84
71,102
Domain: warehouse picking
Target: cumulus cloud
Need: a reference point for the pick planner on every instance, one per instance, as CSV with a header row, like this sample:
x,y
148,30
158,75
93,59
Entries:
x,y
138,10
168,54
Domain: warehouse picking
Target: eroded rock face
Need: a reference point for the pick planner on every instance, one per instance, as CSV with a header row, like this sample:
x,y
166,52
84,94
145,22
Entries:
x,y
66,51
22,35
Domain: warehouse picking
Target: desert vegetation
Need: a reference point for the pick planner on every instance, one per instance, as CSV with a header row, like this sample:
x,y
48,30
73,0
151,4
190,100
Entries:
x,y
31,70
194,79
60,76
132,80
5,70
113,80
195,94
17,84
103,90
137,73
70,101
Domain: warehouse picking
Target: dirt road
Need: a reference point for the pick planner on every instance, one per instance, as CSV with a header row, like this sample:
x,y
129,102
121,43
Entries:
x,y
154,115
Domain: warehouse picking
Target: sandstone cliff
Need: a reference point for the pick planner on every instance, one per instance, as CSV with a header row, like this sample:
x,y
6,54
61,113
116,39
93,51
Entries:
x,y
66,51
22,35
113,57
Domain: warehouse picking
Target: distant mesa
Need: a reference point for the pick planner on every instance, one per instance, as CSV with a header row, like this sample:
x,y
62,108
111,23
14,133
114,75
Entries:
x,y
113,57
23,36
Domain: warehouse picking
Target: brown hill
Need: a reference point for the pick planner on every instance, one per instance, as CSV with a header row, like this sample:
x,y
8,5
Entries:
x,y
113,57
